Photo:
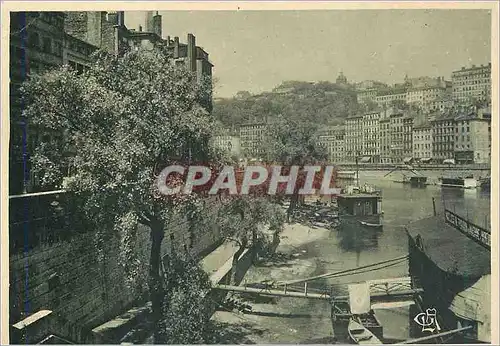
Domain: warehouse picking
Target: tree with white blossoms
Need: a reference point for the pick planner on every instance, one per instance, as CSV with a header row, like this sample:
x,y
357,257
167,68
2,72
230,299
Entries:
x,y
117,126
290,141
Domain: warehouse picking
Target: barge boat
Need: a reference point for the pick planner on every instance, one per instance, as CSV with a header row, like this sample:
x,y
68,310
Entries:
x,y
459,182
360,210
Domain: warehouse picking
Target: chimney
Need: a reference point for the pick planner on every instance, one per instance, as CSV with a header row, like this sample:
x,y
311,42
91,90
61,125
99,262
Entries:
x,y
191,52
149,21
140,28
157,24
168,41
121,18
176,47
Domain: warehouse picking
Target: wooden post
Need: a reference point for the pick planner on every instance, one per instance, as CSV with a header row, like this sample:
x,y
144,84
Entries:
x,y
434,205
305,288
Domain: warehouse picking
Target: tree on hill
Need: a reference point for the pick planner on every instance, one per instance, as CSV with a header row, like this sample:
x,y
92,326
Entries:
x,y
322,102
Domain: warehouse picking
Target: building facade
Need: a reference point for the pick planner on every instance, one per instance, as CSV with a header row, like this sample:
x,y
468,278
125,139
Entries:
x,y
354,137
371,136
229,142
385,140
425,96
422,142
366,95
443,137
396,133
251,136
333,139
441,103
407,134
385,99
472,141
107,31
36,45
41,41
472,83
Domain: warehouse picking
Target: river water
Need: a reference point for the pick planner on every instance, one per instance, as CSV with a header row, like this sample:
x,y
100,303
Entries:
x,y
401,204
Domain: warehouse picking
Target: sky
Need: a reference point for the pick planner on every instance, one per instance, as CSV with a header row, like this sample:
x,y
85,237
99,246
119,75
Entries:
x,y
257,50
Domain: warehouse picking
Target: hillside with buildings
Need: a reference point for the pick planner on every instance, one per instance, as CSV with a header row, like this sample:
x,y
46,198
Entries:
x,y
323,102
421,119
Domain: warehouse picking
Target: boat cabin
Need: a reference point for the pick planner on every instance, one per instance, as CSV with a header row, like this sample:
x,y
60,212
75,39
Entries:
x,y
418,181
466,183
347,175
359,204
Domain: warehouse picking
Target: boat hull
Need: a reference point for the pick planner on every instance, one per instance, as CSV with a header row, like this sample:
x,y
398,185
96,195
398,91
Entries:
x,y
463,183
349,222
360,335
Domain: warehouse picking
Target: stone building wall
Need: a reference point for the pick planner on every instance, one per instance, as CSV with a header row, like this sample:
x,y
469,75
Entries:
x,y
83,289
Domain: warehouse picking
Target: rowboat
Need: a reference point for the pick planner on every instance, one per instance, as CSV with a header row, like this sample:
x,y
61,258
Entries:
x,y
361,335
367,224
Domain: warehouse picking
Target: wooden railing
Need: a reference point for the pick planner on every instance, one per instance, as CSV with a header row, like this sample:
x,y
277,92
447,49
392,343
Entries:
x,y
479,234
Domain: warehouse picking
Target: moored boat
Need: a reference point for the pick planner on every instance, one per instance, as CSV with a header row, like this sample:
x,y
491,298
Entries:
x,y
485,183
360,335
347,175
459,182
418,181
374,225
357,210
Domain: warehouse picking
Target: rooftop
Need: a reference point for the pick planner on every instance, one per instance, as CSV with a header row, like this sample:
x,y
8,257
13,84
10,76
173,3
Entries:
x,y
473,67
422,126
468,116
449,249
440,116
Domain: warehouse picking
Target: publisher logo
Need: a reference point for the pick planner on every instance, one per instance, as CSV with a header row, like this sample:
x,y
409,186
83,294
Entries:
x,y
428,321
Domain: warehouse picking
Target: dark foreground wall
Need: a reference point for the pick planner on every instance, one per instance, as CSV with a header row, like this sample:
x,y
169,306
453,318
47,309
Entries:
x,y
81,288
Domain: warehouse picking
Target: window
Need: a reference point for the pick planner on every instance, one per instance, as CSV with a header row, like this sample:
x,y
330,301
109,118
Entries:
x,y
47,45
58,48
79,68
54,287
34,40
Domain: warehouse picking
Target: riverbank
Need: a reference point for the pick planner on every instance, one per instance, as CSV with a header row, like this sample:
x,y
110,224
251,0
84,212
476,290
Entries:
x,y
269,320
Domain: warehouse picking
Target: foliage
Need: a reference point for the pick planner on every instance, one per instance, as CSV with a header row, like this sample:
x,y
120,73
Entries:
x,y
118,125
187,309
323,103
243,219
399,104
291,140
